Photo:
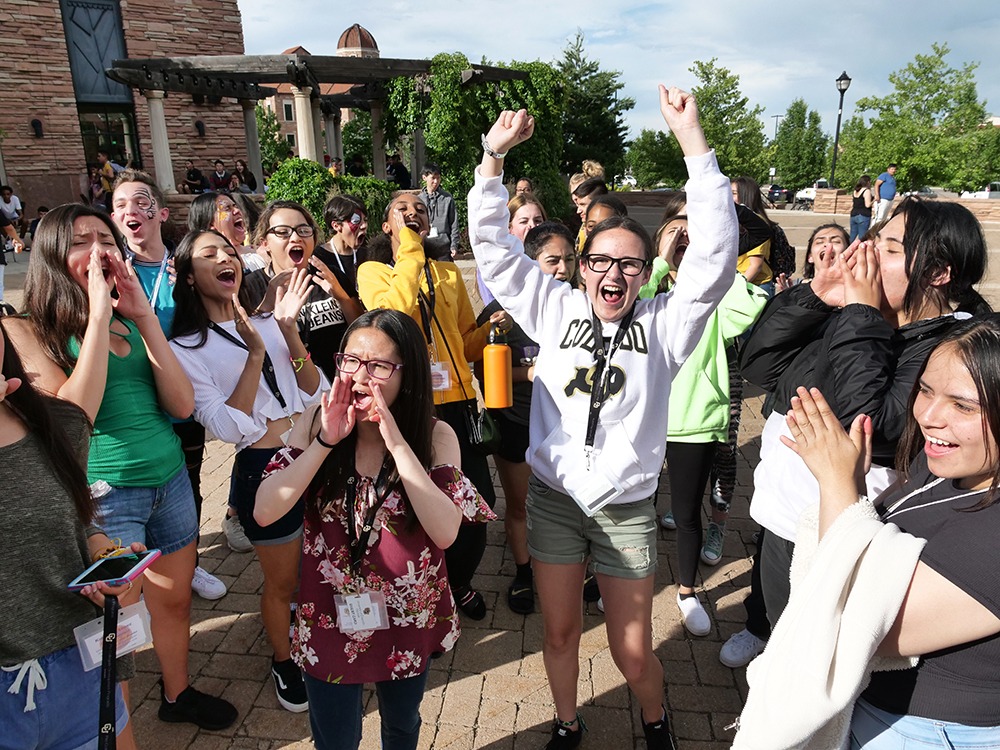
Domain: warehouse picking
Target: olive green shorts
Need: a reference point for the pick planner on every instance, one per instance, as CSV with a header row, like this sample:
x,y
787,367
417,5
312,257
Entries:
x,y
619,539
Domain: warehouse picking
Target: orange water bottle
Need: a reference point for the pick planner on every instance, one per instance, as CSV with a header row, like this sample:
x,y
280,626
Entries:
x,y
498,382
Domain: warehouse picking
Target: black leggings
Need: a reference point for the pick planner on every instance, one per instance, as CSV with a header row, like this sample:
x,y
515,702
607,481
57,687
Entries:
x,y
464,555
192,437
688,466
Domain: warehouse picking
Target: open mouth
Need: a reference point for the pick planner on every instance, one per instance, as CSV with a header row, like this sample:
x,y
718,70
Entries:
x,y
133,225
936,447
363,401
612,294
227,277
296,254
414,225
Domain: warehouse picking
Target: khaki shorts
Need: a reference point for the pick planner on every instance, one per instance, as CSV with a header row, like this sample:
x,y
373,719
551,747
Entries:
x,y
620,539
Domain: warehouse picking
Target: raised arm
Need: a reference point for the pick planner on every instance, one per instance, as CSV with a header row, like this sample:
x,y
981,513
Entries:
x,y
396,287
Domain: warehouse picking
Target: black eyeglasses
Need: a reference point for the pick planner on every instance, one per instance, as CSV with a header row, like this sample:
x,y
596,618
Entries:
x,y
284,232
379,369
603,263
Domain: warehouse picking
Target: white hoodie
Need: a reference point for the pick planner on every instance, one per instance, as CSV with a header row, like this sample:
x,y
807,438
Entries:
x,y
631,434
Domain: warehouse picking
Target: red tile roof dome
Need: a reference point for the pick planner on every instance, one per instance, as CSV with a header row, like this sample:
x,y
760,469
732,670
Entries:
x,y
357,37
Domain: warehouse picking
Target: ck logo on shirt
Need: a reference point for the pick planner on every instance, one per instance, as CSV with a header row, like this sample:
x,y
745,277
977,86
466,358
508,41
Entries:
x,y
584,381
323,313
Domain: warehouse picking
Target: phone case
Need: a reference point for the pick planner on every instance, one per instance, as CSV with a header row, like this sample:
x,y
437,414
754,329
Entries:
x,y
131,574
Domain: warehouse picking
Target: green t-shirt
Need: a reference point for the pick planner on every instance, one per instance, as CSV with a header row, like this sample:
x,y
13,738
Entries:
x,y
133,444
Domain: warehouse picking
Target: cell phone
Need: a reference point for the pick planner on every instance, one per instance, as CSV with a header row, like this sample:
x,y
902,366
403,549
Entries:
x,y
116,570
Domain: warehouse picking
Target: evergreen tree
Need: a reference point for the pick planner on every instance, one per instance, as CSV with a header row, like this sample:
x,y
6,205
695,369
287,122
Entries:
x,y
800,146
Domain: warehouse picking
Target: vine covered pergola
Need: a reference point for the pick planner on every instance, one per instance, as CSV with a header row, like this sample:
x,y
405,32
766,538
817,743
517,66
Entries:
x,y
246,78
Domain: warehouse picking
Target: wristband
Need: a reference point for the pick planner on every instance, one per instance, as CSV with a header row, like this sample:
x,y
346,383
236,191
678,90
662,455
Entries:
x,y
490,151
299,362
321,441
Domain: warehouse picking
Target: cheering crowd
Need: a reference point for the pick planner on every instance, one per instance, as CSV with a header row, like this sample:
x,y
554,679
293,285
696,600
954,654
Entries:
x,y
343,375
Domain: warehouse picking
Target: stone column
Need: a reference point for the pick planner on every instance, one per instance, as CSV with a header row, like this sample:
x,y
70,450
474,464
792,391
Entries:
x,y
330,135
419,155
253,141
338,134
317,121
161,143
304,133
378,142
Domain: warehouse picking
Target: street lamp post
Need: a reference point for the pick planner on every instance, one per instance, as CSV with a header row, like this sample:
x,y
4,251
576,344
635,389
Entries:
x,y
843,83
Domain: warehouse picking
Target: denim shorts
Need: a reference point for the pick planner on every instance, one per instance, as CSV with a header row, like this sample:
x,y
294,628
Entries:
x,y
66,709
875,729
247,471
620,539
162,517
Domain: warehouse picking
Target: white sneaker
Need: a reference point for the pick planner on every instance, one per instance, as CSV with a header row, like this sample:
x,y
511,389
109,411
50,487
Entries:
x,y
236,538
711,550
207,586
694,616
600,605
741,649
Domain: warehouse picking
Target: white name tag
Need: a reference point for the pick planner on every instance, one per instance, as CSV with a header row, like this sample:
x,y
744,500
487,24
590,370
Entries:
x,y
440,377
358,612
133,633
598,491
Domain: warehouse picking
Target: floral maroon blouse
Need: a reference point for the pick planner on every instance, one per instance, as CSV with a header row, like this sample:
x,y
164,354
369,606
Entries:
x,y
403,564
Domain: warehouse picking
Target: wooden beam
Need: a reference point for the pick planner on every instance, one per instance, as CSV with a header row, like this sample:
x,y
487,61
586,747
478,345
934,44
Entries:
x,y
190,82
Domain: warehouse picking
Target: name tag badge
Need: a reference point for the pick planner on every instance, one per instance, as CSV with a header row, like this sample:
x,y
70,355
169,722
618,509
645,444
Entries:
x,y
598,491
361,612
133,633
432,233
440,377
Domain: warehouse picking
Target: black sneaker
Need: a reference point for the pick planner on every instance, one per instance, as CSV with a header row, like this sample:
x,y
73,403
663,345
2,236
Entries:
x,y
658,736
564,738
194,707
289,686
591,593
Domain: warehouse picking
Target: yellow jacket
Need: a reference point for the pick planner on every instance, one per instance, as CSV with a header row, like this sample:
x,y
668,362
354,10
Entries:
x,y
396,288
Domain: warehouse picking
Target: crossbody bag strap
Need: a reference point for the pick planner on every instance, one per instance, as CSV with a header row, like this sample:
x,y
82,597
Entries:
x,y
450,356
267,371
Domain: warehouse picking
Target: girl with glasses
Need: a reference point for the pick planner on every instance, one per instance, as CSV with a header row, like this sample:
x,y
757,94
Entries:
x,y
267,381
598,423
383,498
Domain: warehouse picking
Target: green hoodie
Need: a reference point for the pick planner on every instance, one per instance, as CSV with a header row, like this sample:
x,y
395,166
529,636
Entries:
x,y
698,410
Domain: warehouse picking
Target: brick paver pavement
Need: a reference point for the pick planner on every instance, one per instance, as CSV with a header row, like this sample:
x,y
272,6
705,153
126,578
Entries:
x,y
490,692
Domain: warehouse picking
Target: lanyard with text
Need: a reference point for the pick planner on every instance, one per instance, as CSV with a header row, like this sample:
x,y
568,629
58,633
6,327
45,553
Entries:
x,y
266,371
602,373
359,538
159,276
107,729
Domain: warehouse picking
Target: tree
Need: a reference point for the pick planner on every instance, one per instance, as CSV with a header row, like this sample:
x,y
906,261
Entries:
x,y
356,136
655,159
594,121
273,148
800,146
931,124
733,128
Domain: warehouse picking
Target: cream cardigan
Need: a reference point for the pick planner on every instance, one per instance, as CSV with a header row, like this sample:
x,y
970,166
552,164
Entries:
x,y
846,593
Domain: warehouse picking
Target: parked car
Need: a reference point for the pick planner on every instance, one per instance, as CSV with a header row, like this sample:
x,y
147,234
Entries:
x,y
925,192
808,194
990,191
778,194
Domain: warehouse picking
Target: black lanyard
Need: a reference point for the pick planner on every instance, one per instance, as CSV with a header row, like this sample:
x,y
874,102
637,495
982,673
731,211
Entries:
x,y
107,734
266,371
359,539
602,373
427,303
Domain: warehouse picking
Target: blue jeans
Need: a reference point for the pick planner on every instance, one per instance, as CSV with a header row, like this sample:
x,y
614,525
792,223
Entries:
x,y
859,225
335,712
874,729
161,517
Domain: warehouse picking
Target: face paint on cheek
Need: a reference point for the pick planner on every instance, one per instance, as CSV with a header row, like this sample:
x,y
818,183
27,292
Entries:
x,y
149,209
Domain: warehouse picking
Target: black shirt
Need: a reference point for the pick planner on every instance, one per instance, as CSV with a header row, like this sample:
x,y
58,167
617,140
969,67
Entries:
x,y
959,684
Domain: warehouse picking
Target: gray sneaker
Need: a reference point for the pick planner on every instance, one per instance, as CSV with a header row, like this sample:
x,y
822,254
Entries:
x,y
235,536
667,520
711,550
741,649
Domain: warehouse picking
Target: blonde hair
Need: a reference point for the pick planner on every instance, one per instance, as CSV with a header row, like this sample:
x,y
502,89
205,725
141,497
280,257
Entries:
x,y
591,169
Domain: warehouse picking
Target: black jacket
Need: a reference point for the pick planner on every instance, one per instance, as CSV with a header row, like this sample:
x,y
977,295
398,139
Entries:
x,y
859,362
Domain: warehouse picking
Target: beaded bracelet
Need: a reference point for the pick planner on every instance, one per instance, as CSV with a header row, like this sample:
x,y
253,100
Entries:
x,y
299,362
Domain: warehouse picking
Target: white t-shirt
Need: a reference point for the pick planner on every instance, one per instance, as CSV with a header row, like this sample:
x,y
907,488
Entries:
x,y
10,209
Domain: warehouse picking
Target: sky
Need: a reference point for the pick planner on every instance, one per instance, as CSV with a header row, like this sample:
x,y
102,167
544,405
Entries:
x,y
780,50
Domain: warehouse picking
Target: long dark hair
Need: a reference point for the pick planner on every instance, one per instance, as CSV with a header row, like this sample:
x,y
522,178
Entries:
x,y
977,343
57,306
864,181
413,410
942,237
748,191
38,414
202,211
190,317
629,225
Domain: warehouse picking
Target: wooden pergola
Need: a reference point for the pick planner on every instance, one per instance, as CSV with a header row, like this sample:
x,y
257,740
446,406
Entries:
x,y
245,78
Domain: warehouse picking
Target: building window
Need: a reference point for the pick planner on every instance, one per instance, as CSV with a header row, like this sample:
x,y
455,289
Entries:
x,y
290,137
289,111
